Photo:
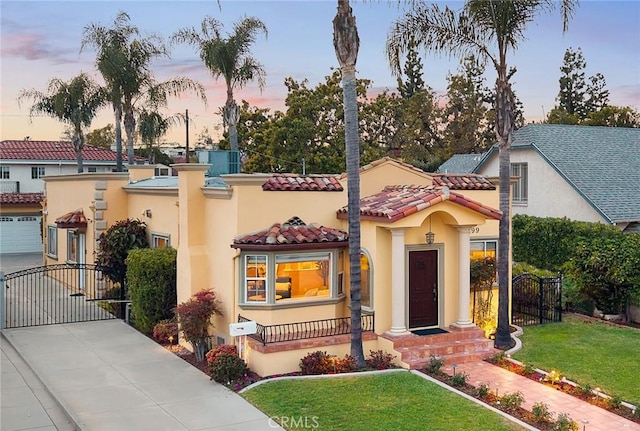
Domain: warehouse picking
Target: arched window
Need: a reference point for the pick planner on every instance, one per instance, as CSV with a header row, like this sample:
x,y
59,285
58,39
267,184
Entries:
x,y
366,289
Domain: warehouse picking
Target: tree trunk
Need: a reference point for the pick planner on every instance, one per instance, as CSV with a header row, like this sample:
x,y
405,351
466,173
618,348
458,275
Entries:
x,y
129,128
118,117
78,145
346,44
504,132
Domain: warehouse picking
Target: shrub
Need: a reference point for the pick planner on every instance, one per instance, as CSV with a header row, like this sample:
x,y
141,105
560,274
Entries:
x,y
459,380
348,364
114,245
213,354
227,369
541,412
435,364
483,390
614,402
194,317
165,332
564,423
380,360
528,370
317,362
512,401
151,277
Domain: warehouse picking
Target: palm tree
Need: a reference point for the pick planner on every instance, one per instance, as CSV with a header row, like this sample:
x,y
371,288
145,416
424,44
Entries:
x,y
151,127
346,43
124,61
75,103
228,57
488,29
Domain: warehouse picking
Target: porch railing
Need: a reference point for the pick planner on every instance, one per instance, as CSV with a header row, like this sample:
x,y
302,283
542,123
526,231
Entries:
x,y
268,334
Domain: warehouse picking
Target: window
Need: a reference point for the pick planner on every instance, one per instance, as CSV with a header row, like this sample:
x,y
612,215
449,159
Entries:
x,y
482,249
52,241
520,192
365,283
72,246
161,172
280,277
160,241
5,172
37,172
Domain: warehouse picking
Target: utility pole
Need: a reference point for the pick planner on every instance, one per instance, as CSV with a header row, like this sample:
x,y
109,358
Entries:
x,y
186,120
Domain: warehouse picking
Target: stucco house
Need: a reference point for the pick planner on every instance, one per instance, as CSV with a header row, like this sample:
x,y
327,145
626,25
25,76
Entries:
x,y
582,173
275,249
22,166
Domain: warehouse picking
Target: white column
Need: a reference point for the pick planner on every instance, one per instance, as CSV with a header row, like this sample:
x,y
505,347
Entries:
x,y
398,299
464,283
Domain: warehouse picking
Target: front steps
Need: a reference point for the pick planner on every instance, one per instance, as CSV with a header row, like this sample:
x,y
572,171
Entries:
x,y
458,346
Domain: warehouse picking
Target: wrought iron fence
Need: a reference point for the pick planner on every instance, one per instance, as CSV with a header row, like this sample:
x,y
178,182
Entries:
x,y
307,330
536,300
63,293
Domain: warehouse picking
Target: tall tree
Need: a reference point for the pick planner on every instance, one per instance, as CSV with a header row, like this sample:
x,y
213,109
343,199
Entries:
x,y
598,95
571,97
74,102
228,57
104,137
152,126
346,44
488,29
124,60
413,73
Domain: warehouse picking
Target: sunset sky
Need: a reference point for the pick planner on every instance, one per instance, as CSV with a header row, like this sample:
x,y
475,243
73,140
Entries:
x,y
41,40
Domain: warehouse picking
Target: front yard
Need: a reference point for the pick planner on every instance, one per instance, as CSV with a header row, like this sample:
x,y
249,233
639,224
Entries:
x,y
390,401
588,352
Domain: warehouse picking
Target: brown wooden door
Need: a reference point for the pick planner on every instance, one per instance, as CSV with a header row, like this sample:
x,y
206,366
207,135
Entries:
x,y
423,288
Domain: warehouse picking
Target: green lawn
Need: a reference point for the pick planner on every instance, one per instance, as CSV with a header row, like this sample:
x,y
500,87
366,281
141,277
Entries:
x,y
587,352
391,401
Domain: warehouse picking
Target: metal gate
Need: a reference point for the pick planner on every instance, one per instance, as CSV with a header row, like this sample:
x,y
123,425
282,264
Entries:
x,y
64,293
536,300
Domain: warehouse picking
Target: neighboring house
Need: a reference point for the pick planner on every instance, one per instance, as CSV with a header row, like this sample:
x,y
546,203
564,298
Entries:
x,y
579,172
275,249
23,164
461,163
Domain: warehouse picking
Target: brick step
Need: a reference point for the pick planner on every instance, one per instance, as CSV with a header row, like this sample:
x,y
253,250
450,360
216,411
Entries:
x,y
456,358
444,349
420,340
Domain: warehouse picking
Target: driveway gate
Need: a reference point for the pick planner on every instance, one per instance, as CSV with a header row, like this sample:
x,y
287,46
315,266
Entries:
x,y
536,300
64,293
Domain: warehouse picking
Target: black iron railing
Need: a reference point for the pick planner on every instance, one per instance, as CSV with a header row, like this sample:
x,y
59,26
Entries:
x,y
63,293
536,300
307,330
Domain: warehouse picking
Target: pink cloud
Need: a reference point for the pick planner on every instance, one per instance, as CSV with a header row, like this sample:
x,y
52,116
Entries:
x,y
30,46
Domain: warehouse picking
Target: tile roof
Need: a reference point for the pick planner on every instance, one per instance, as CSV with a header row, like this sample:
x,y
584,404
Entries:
x,y
73,219
52,150
396,202
291,233
21,198
463,181
600,163
294,182
461,163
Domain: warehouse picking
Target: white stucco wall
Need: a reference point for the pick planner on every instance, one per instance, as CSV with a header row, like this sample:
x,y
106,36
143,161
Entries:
x,y
21,172
549,193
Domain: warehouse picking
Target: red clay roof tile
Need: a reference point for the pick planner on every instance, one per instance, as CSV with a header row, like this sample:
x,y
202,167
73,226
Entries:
x,y
72,219
462,181
21,198
52,150
294,182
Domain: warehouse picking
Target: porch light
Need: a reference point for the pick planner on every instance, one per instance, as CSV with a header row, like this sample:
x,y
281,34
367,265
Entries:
x,y
430,236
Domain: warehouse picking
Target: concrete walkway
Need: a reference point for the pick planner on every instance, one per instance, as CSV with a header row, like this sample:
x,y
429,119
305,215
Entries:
x,y
107,376
597,418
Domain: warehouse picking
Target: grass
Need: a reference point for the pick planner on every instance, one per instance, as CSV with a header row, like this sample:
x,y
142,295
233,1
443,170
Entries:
x,y
391,401
587,352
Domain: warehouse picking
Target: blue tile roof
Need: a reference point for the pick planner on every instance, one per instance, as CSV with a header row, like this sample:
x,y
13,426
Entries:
x,y
600,163
460,164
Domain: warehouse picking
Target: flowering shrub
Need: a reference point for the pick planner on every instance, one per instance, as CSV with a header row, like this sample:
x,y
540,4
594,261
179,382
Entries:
x,y
228,369
220,349
194,317
319,362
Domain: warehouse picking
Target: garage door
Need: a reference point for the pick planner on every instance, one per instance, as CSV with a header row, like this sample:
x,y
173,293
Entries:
x,y
20,234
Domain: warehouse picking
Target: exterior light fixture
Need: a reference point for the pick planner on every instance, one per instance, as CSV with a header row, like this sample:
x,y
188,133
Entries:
x,y
430,236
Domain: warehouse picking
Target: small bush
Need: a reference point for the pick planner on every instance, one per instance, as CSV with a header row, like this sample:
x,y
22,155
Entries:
x,y
435,364
483,390
380,360
512,401
347,364
228,369
614,402
541,412
585,390
528,370
459,380
317,362
213,354
165,332
564,423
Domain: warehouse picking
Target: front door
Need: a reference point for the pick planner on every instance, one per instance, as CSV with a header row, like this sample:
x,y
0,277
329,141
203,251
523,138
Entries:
x,y
423,288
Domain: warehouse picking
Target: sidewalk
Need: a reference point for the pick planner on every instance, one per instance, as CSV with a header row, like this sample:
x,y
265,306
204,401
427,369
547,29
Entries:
x,y
505,381
107,376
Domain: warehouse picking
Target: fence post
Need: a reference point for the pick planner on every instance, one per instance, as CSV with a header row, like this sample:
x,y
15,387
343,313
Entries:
x,y
2,299
541,300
